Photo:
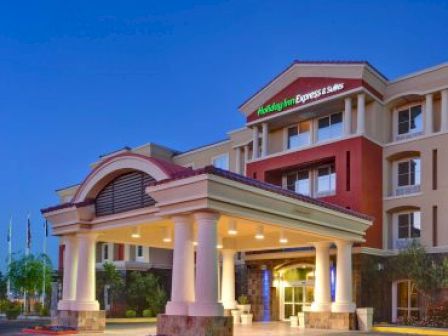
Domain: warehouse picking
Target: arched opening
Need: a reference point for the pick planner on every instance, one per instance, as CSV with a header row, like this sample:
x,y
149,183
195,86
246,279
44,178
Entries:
x,y
124,193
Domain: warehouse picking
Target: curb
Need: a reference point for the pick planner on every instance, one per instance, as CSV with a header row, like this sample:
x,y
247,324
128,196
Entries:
x,y
411,331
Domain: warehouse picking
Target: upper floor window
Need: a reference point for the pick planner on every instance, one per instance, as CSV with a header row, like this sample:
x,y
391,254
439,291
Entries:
x,y
299,136
408,176
105,252
326,180
407,227
299,182
318,182
124,193
221,161
410,122
330,127
139,251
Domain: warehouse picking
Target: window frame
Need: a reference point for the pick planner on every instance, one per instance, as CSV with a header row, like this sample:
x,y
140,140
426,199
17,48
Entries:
x,y
330,124
137,253
296,126
330,192
411,133
105,252
296,175
400,242
400,190
395,304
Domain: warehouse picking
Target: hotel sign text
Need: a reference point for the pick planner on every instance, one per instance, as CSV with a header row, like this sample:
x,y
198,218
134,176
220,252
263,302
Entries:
x,y
299,99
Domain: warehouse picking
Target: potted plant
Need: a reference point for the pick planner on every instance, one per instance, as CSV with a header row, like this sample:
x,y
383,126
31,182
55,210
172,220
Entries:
x,y
243,304
244,307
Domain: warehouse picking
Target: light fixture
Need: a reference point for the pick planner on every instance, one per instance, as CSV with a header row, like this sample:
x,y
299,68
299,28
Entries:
x,y
136,232
195,243
232,228
219,244
259,234
283,239
167,235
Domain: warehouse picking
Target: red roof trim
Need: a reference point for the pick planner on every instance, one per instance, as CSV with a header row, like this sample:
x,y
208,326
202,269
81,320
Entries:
x,y
66,206
264,186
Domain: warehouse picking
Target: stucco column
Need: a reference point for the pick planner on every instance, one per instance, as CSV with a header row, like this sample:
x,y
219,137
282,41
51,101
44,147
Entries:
x,y
238,160
361,114
322,292
343,299
246,158
182,285
428,114
70,272
255,143
86,281
348,116
206,303
444,110
228,279
265,139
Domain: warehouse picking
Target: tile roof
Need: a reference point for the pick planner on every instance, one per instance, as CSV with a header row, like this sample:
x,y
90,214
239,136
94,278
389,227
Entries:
x,y
264,186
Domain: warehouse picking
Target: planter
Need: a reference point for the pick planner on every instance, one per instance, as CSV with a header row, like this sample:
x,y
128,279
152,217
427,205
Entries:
x,y
294,321
244,308
236,314
246,319
301,317
365,318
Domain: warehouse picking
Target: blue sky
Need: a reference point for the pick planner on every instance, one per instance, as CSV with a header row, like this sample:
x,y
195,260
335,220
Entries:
x,y
85,78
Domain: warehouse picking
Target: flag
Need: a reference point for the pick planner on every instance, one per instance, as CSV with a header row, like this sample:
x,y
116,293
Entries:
x,y
28,234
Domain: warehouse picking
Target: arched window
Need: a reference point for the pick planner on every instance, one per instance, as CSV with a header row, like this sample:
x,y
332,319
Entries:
x,y
124,193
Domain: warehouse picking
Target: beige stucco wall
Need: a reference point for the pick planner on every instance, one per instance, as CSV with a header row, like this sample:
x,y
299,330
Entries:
x,y
428,197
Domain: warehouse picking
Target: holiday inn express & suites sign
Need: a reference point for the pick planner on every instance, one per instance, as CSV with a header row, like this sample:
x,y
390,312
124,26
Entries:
x,y
300,99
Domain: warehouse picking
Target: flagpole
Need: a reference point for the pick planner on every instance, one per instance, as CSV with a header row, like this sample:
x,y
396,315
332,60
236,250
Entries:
x,y
27,253
8,284
45,262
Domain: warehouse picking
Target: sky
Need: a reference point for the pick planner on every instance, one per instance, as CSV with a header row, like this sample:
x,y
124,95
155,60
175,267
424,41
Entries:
x,y
83,78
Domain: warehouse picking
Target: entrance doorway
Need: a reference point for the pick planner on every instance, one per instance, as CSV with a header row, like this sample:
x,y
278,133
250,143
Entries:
x,y
297,291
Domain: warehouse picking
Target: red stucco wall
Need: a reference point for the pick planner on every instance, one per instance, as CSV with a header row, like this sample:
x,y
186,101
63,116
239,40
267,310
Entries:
x,y
365,174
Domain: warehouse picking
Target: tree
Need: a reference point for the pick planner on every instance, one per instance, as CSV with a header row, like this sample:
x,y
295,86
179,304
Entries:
x,y
427,272
3,287
27,274
144,291
112,278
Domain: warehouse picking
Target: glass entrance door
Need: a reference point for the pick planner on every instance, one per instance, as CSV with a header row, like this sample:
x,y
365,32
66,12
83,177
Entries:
x,y
295,298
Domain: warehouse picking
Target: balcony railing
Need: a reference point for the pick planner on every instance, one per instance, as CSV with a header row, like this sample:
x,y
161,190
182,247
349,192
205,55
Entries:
x,y
407,190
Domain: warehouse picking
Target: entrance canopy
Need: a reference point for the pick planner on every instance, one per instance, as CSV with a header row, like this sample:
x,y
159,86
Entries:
x,y
253,215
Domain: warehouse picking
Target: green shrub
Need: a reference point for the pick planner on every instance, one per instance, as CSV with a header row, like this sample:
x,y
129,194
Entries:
x,y
37,307
13,310
44,312
130,313
148,313
243,300
3,305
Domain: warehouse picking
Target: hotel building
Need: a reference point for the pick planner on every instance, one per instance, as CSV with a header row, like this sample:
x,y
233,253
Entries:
x,y
335,135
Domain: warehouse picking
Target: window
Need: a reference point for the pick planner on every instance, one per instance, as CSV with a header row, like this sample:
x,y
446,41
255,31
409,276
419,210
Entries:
x,y
140,251
406,300
299,182
408,176
299,136
124,193
329,127
105,252
409,225
221,161
326,180
410,121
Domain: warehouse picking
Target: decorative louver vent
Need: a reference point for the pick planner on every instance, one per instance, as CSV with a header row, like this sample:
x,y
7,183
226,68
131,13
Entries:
x,y
124,193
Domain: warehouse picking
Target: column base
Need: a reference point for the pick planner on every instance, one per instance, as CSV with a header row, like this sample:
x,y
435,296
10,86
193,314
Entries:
x,y
176,308
329,320
194,325
84,306
320,307
229,305
205,309
65,304
83,321
343,307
